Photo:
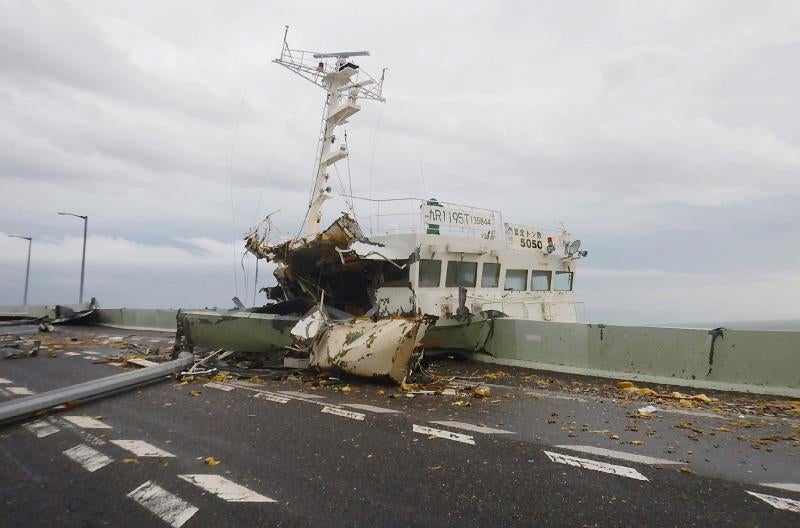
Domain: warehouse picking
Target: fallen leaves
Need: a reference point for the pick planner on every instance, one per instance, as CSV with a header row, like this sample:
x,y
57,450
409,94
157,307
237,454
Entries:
x,y
211,461
481,391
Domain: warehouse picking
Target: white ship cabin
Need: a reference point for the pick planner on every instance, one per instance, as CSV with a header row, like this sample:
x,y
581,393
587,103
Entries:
x,y
522,271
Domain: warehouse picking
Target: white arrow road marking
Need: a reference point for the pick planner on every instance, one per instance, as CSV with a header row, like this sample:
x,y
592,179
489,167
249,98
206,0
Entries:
x,y
302,395
225,489
87,422
778,502
41,428
218,386
168,507
270,397
788,486
371,408
622,455
3,381
595,465
472,427
343,412
140,448
448,435
89,458
19,391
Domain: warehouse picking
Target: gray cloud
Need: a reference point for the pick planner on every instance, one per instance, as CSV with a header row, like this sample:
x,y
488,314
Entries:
x,y
664,134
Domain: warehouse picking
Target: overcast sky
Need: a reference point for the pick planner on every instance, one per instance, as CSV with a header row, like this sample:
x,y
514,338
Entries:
x,y
664,135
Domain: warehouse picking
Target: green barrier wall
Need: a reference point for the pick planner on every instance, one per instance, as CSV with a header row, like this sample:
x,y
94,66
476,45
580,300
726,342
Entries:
x,y
137,319
765,362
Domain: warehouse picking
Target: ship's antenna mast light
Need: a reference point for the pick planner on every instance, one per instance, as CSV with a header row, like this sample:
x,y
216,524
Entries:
x,y
345,83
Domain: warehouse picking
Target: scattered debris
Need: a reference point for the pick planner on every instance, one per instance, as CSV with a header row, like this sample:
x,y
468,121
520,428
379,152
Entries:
x,y
211,461
648,409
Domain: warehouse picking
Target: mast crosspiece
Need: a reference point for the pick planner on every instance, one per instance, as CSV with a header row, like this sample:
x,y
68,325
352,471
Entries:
x,y
345,84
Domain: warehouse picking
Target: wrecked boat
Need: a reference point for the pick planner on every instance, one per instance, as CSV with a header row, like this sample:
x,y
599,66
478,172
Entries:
x,y
364,302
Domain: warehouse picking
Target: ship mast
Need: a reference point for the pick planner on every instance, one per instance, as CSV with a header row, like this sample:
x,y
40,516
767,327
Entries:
x,y
345,84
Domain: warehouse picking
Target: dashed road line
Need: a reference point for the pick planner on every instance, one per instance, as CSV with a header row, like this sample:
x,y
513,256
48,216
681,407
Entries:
x,y
72,353
778,502
594,465
447,435
91,352
343,412
622,455
41,428
271,397
166,506
225,489
140,448
87,422
218,386
302,395
788,486
4,381
371,408
471,427
89,458
115,364
19,391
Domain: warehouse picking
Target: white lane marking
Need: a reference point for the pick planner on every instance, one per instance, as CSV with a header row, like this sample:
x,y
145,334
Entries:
x,y
90,358
302,395
622,455
116,364
270,397
778,502
343,412
87,422
448,435
141,448
788,486
91,352
218,386
4,381
225,489
19,391
472,427
594,465
168,507
371,408
115,338
154,340
89,458
72,353
41,428
692,413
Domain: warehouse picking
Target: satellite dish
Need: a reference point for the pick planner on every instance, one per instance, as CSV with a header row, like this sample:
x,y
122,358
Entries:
x,y
573,247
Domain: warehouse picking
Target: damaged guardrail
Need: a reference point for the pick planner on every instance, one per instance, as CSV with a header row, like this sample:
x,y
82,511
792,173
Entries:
x,y
26,407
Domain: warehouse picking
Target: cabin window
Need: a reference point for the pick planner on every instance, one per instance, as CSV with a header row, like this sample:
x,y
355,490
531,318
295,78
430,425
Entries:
x,y
394,276
516,280
430,273
563,281
540,280
460,273
490,275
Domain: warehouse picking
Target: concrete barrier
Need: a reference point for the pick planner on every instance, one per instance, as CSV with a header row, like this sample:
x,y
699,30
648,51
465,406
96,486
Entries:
x,y
138,319
765,362
36,311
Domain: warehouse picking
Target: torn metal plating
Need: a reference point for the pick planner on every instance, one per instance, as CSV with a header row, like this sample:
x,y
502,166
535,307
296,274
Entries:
x,y
339,271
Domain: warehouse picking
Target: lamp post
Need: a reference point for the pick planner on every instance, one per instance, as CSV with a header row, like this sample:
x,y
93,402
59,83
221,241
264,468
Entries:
x,y
28,268
83,260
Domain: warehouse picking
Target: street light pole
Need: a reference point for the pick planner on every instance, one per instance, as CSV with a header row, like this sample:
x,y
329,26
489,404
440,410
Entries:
x,y
28,267
83,260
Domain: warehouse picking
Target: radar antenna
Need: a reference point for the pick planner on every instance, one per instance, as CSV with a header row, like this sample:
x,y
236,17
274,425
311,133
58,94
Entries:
x,y
345,83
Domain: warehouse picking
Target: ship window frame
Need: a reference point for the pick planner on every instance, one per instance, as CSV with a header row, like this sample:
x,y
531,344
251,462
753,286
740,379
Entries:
x,y
400,277
571,276
495,276
542,273
456,282
420,270
524,280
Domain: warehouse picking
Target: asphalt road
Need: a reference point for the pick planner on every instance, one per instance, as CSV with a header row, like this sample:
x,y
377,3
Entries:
x,y
292,455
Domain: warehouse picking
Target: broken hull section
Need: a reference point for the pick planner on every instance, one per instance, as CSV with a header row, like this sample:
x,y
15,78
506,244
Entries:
x,y
364,347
